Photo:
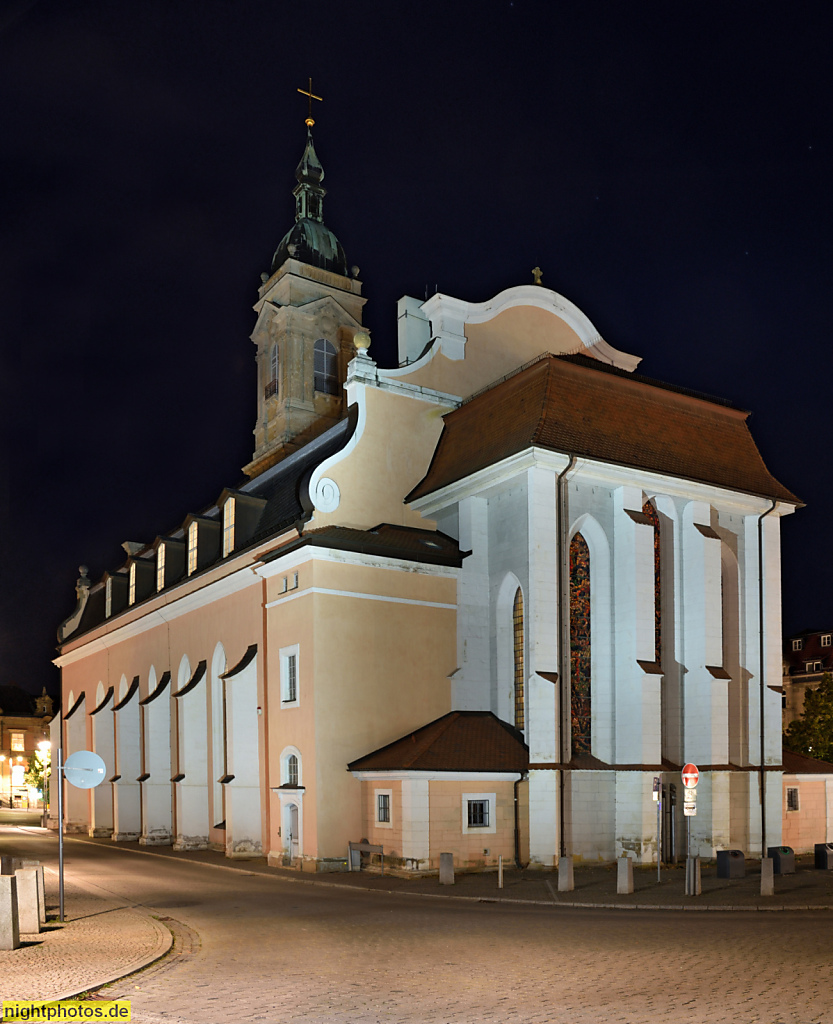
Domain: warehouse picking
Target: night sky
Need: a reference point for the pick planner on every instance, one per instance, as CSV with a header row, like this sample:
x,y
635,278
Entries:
x,y
667,166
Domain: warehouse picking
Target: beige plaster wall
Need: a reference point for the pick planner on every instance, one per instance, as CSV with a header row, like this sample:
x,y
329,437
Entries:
x,y
391,457
446,825
803,828
498,347
388,838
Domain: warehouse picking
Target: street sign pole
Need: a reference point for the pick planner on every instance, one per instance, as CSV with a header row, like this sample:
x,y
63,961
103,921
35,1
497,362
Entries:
x,y
60,781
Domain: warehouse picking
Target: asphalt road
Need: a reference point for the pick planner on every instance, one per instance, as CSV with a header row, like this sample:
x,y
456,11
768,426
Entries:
x,y
251,947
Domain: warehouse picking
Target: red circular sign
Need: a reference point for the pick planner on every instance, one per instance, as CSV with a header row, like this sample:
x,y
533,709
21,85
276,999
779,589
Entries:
x,y
690,776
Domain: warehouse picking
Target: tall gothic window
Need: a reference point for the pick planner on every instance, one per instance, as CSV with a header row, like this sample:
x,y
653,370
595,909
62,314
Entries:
x,y
325,368
650,513
580,681
518,657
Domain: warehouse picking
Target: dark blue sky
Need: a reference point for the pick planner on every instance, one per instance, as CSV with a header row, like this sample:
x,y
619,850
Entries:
x,y
669,168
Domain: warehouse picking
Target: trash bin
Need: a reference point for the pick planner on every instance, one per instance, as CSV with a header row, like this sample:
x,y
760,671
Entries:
x,y
824,856
730,864
783,859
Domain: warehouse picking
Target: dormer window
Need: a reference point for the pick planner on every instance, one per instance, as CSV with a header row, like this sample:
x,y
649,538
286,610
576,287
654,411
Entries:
x,y
192,548
131,585
160,568
228,527
797,645
826,639
325,376
108,599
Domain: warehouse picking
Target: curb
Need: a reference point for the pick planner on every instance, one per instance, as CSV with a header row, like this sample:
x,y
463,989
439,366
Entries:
x,y
572,904
164,941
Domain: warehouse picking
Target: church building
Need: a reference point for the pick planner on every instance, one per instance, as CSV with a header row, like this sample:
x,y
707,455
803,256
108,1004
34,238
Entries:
x,y
474,604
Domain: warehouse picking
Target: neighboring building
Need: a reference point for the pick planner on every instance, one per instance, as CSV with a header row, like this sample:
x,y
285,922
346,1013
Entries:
x,y
23,725
808,802
506,584
807,656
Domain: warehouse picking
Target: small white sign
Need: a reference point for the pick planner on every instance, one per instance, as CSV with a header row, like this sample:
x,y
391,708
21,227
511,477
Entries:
x,y
690,810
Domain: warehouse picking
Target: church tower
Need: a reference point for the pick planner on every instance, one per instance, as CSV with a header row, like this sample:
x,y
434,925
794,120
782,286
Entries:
x,y
309,308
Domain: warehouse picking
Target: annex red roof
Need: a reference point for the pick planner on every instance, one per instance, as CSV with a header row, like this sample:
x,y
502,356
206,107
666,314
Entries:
x,y
568,406
802,764
461,741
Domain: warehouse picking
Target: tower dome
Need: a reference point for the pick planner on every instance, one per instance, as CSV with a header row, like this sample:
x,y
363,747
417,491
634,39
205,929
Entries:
x,y
309,239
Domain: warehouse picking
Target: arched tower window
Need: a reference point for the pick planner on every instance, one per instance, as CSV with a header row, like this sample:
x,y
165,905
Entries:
x,y
518,657
650,513
274,372
580,679
326,368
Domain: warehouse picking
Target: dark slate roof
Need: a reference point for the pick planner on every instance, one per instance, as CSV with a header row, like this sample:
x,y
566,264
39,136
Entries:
x,y
282,488
811,650
801,764
15,701
565,404
428,546
461,741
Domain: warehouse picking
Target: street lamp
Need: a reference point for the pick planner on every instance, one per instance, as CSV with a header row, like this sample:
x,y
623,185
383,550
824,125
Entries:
x,y
45,747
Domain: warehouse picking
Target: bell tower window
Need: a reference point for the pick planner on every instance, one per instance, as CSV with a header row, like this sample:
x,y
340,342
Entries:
x,y
326,368
273,385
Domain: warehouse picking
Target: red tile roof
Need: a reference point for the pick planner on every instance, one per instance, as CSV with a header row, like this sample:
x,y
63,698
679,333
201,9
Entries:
x,y
568,406
461,741
802,764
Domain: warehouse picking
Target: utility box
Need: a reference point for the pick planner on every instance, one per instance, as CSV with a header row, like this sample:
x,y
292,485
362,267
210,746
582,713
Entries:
x,y
731,864
824,856
783,859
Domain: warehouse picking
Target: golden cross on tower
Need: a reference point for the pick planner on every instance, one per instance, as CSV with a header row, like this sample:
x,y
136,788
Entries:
x,y
308,92
537,274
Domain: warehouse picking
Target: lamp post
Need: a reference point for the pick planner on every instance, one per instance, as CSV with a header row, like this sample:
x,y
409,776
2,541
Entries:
x,y
43,747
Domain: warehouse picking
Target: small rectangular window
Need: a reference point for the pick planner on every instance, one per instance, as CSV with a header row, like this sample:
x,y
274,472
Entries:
x,y
18,741
383,807
478,813
131,586
792,798
160,568
826,640
797,645
228,527
192,548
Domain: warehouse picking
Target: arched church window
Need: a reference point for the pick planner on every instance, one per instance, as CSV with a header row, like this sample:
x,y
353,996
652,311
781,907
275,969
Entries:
x,y
274,372
326,368
292,770
650,513
580,678
518,657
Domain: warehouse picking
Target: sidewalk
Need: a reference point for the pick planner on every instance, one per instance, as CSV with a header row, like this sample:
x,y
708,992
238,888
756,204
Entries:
x,y
807,889
102,939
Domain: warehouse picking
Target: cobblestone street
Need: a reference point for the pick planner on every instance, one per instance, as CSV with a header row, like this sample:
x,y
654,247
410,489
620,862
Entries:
x,y
252,946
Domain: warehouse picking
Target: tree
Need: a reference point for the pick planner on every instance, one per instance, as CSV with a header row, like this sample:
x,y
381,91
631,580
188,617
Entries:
x,y
812,734
37,770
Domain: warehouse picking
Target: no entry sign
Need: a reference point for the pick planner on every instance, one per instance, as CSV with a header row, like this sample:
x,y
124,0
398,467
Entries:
x,y
691,776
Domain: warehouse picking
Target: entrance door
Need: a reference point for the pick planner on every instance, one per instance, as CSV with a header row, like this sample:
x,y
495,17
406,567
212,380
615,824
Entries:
x,y
292,832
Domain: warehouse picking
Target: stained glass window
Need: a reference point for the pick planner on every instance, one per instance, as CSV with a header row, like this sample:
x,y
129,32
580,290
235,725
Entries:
x,y
580,681
650,513
518,656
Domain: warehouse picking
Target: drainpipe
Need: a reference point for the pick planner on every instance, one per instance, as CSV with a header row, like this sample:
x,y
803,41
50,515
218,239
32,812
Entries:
x,y
517,782
563,658
763,681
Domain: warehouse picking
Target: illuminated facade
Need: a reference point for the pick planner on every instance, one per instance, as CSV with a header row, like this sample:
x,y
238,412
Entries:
x,y
505,584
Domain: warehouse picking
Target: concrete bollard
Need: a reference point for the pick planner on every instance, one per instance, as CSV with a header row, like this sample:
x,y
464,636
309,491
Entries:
x,y
693,886
565,874
23,862
624,874
767,876
9,928
446,869
28,914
